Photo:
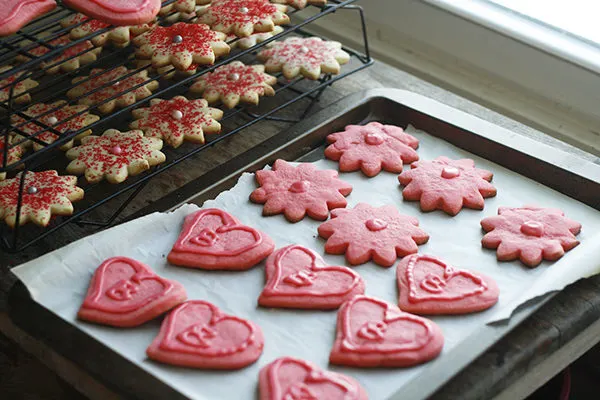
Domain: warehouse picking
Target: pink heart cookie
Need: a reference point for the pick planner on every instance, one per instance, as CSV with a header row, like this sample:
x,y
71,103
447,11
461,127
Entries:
x,y
214,239
289,378
124,292
14,14
118,12
298,278
197,334
427,285
374,333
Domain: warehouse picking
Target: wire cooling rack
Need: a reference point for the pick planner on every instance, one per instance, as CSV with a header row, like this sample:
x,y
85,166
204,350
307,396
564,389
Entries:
x,y
46,31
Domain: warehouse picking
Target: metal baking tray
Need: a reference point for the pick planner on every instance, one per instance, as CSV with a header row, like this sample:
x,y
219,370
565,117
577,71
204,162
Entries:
x,y
563,172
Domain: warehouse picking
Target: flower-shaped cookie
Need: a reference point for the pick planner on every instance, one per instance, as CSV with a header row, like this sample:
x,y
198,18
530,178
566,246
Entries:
x,y
366,232
233,82
306,56
252,40
112,83
530,234
448,185
182,6
299,190
21,89
371,147
243,17
177,120
69,60
61,112
300,4
119,36
181,45
114,155
14,154
44,194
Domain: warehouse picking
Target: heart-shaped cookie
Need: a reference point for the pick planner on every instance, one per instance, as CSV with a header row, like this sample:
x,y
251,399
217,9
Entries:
x,y
124,292
214,239
294,379
427,285
374,333
197,334
14,14
297,277
118,12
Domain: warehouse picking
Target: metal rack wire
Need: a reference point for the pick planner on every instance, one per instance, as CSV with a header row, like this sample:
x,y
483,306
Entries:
x,y
53,87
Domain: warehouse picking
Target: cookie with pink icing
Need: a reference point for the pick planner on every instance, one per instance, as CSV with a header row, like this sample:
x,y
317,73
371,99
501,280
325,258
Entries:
x,y
44,194
366,232
70,59
235,82
106,84
119,36
530,234
308,57
60,117
297,277
428,285
243,17
177,119
373,333
197,334
124,292
181,45
214,239
15,14
21,87
115,155
118,12
300,4
448,185
371,147
296,191
13,154
288,378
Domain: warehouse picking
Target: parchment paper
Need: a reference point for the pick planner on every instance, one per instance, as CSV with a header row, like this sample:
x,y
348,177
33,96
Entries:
x,y
59,280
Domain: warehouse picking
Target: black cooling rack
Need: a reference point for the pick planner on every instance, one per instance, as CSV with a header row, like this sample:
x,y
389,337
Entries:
x,y
54,87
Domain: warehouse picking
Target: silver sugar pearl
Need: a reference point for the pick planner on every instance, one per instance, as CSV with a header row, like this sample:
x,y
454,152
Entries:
x,y
244,10
177,39
32,190
303,49
233,77
52,120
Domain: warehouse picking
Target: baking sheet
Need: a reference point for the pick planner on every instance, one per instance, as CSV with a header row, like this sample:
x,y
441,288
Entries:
x,y
59,280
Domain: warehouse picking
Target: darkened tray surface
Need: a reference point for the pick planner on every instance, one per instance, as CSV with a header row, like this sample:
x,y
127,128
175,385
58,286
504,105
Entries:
x,y
494,369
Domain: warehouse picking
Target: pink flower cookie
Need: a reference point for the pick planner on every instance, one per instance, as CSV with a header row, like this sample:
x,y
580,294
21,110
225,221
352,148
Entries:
x,y
84,26
112,83
13,154
233,82
114,155
427,285
15,14
181,45
298,277
243,17
300,4
177,119
69,60
374,333
530,234
124,292
300,190
307,56
289,378
366,232
44,194
371,147
215,240
448,185
61,112
197,334
20,89
118,12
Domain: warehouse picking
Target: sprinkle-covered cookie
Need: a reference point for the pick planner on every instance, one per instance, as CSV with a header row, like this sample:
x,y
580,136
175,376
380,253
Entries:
x,y
182,6
177,120
69,60
252,40
60,112
112,83
243,17
448,185
530,234
366,232
372,147
233,82
44,194
13,155
19,95
119,36
296,191
181,45
114,155
300,4
307,56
